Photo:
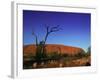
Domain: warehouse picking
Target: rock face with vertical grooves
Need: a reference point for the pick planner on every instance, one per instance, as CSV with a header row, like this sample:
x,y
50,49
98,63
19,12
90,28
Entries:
x,y
51,48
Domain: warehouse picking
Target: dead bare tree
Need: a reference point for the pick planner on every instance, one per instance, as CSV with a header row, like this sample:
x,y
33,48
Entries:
x,y
40,46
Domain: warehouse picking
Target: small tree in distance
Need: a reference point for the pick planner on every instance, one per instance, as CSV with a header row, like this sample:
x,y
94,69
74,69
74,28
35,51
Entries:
x,y
89,50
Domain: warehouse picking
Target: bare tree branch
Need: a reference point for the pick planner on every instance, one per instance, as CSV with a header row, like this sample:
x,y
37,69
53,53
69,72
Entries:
x,y
54,29
36,39
47,28
50,30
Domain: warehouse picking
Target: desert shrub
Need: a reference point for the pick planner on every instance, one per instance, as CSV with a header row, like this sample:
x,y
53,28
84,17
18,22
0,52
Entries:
x,y
80,54
28,60
29,56
89,50
87,54
65,55
54,55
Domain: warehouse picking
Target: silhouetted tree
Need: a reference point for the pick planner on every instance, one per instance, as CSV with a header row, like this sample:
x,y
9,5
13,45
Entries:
x,y
40,46
89,50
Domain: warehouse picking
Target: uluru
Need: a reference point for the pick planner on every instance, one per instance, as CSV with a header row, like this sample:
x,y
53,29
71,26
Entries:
x,y
50,48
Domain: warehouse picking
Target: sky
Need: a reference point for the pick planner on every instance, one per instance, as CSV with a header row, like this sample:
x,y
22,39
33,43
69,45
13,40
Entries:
x,y
75,27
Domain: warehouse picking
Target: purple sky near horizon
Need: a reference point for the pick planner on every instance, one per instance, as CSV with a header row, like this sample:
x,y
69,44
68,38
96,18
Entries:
x,y
75,27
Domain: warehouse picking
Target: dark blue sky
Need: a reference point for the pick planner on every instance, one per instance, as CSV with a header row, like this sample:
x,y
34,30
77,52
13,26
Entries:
x,y
75,27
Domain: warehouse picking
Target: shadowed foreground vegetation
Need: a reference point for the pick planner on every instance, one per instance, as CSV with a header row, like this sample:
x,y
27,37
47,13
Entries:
x,y
55,60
